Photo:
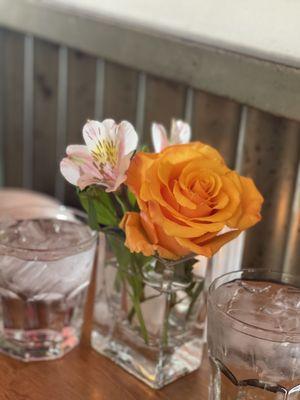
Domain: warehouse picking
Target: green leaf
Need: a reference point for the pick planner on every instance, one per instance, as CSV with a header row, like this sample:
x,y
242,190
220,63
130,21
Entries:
x,y
104,215
97,201
89,208
129,268
92,215
131,198
121,252
104,198
142,261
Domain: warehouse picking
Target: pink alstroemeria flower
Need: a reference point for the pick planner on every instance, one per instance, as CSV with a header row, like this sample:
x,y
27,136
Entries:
x,y
104,159
180,133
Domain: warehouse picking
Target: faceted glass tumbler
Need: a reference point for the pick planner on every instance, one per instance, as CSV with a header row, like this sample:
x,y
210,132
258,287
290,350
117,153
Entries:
x,y
254,336
148,319
46,258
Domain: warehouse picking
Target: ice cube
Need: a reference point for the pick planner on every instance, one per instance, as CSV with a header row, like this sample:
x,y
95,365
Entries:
x,y
34,276
48,297
288,298
255,287
45,234
31,233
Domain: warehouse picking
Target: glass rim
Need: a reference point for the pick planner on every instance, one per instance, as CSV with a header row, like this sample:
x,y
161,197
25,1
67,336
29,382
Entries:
x,y
213,286
59,209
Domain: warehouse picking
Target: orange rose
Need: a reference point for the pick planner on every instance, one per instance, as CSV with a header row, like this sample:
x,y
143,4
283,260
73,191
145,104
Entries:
x,y
190,202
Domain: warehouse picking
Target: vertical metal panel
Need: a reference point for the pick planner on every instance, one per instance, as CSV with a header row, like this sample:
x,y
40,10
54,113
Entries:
x,y
189,106
292,254
120,93
61,127
164,100
28,112
237,247
81,103
1,107
240,148
45,116
140,105
271,159
13,58
216,122
99,89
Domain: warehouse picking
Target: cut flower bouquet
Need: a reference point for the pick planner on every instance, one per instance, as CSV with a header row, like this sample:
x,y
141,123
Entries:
x,y
158,212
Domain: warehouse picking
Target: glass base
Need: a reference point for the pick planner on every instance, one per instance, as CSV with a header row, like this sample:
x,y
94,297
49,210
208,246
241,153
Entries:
x,y
154,367
226,386
38,345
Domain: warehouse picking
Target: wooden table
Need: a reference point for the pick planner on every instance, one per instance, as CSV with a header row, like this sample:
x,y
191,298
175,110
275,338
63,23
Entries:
x,y
84,374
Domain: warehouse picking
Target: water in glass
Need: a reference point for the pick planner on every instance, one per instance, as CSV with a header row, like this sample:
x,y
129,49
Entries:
x,y
254,340
45,267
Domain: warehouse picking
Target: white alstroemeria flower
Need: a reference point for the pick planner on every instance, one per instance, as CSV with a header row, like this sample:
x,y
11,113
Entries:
x,y
180,133
104,159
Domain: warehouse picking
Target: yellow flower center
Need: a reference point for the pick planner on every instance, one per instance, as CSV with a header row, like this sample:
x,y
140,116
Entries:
x,y
105,152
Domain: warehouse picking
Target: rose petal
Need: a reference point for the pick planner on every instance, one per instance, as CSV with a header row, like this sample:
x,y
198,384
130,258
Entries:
x,y
141,237
168,184
251,202
136,237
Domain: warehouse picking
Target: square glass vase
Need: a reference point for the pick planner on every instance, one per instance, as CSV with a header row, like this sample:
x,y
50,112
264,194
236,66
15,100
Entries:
x,y
149,314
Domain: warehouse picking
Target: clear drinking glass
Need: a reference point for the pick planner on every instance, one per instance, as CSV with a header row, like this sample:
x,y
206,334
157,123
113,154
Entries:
x,y
46,258
254,336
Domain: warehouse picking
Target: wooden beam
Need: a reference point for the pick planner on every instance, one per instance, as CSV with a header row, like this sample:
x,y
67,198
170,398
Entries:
x,y
265,85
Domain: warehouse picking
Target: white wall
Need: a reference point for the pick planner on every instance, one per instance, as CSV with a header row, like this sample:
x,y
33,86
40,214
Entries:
x,y
269,29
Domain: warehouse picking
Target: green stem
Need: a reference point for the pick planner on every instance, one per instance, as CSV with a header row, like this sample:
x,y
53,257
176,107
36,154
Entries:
x,y
170,303
166,321
139,314
137,285
122,204
194,297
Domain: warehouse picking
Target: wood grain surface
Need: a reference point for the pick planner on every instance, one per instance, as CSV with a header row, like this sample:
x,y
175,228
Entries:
x,y
216,122
271,158
120,92
164,100
85,375
81,103
45,116
13,63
